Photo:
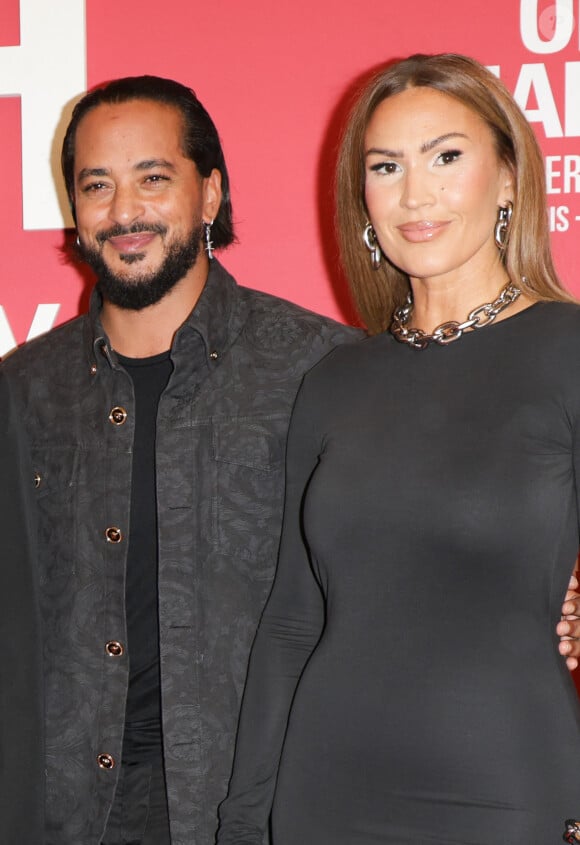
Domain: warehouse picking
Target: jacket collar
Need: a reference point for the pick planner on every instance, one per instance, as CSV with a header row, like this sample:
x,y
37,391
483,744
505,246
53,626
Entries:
x,y
216,321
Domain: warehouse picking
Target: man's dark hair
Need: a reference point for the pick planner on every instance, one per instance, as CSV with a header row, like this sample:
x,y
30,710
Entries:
x,y
200,141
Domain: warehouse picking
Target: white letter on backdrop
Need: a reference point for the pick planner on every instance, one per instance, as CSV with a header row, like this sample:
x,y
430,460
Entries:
x,y
534,77
572,99
555,25
43,320
47,70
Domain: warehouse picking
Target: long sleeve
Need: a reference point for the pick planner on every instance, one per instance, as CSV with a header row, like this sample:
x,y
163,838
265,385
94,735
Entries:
x,y
21,744
289,630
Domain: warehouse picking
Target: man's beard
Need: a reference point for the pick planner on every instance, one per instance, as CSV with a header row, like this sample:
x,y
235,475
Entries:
x,y
146,289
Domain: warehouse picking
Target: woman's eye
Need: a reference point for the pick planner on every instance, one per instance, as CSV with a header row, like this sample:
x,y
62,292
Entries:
x,y
448,157
385,167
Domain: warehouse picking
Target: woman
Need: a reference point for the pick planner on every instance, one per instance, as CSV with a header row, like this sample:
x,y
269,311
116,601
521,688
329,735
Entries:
x,y
441,457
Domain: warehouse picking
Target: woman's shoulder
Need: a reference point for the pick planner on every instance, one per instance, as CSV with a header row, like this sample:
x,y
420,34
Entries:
x,y
556,319
344,375
567,313
547,339
354,357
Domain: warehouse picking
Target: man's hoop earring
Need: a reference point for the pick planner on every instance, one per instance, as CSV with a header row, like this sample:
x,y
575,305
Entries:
x,y
207,238
78,240
502,226
372,244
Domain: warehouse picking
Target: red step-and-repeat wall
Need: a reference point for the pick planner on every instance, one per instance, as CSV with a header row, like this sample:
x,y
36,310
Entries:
x,y
277,79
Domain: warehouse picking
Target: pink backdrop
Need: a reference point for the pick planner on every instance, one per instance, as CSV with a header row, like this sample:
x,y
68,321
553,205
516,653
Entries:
x,y
277,79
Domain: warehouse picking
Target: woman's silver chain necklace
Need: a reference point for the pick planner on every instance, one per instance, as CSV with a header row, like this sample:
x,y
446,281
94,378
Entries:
x,y
447,332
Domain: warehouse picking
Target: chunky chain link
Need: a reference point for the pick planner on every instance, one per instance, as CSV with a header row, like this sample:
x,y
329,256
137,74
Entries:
x,y
447,332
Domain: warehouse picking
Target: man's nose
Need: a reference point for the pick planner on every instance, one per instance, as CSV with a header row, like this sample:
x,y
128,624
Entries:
x,y
126,205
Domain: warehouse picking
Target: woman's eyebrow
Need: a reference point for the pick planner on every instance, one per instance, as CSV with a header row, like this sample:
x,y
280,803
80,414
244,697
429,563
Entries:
x,y
424,148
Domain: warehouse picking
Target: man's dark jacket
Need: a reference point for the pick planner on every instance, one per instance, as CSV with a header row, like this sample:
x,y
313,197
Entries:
x,y
221,431
21,758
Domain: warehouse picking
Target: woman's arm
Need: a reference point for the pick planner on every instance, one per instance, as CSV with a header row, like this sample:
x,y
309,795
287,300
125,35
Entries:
x,y
568,628
289,630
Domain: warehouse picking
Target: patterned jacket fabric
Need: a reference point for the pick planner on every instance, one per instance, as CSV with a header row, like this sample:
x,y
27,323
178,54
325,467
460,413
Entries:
x,y
221,431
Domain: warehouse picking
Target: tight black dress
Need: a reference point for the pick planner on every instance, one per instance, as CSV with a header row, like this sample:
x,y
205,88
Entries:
x,y
405,684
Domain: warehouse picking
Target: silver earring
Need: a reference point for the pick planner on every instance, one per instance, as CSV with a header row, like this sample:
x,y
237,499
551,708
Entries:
x,y
207,238
502,226
372,244
78,240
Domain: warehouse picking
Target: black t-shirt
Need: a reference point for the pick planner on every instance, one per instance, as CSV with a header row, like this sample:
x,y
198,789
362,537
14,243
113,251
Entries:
x,y
143,712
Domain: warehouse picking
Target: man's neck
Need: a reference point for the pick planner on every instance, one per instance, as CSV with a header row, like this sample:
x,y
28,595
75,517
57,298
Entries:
x,y
150,331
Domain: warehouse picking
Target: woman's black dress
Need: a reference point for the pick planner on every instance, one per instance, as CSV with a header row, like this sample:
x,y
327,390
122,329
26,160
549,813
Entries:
x,y
411,629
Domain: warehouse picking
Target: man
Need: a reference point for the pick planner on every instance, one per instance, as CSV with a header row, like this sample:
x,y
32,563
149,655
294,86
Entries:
x,y
157,426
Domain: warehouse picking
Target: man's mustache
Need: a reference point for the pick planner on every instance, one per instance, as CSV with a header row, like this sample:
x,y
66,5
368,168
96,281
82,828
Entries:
x,y
118,231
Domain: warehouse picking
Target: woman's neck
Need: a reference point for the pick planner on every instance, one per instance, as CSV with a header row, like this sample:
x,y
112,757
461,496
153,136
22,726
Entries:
x,y
439,300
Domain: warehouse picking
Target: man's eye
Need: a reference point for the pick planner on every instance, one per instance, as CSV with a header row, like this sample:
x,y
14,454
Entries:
x,y
156,177
93,187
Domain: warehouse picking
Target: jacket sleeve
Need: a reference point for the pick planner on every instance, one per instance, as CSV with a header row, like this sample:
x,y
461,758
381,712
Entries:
x,y
288,632
21,706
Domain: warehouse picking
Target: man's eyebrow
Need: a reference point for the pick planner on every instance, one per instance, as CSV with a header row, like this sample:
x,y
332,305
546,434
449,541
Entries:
x,y
147,164
150,163
89,172
424,148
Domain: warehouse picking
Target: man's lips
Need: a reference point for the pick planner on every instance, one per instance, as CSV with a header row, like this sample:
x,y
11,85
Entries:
x,y
132,243
422,230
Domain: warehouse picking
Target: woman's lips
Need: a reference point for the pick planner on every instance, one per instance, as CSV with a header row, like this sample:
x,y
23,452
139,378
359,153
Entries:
x,y
132,243
422,230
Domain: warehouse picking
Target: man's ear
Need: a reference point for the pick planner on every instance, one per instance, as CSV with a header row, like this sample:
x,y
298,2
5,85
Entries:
x,y
212,195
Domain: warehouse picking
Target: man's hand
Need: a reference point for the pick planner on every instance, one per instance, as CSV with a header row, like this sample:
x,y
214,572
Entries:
x,y
569,627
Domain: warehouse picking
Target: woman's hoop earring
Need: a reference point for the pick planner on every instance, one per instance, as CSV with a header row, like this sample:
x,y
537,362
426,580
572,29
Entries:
x,y
372,244
502,226
207,238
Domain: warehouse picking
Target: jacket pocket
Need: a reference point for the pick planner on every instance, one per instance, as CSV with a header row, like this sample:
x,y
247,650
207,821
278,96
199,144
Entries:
x,y
55,491
247,507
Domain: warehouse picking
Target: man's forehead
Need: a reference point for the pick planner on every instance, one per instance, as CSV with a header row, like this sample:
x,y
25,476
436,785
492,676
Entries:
x,y
145,129
135,111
